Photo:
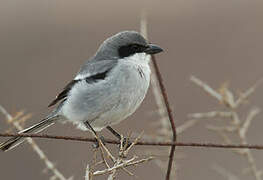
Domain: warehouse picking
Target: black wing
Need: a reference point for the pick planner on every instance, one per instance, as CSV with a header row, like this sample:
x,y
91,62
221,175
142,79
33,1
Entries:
x,y
91,79
64,93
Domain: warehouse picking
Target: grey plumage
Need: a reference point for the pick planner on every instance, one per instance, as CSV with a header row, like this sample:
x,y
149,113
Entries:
x,y
92,67
88,72
109,87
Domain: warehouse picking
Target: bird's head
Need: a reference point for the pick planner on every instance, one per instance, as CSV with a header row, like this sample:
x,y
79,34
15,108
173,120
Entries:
x,y
126,44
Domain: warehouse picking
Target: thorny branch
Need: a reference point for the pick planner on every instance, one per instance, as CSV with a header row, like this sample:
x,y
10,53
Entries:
x,y
237,126
127,163
36,148
116,162
169,111
144,143
163,98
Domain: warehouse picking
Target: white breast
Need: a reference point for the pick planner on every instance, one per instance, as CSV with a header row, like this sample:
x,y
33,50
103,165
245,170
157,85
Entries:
x,y
133,80
131,87
112,100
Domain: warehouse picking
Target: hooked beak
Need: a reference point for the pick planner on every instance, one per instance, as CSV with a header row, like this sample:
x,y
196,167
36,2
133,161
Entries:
x,y
153,49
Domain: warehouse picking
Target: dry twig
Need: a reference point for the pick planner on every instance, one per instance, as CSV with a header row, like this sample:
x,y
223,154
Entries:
x,y
35,147
161,97
143,143
118,162
236,124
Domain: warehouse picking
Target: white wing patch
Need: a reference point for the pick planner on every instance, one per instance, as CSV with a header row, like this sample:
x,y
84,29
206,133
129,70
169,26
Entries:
x,y
81,76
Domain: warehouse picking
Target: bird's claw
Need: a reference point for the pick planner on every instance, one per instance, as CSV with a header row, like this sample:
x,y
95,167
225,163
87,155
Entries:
x,y
125,143
96,143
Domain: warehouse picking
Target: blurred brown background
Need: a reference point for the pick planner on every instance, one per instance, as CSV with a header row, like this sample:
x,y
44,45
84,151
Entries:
x,y
43,43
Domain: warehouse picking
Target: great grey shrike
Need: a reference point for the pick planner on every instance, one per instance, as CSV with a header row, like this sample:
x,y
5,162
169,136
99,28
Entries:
x,y
108,88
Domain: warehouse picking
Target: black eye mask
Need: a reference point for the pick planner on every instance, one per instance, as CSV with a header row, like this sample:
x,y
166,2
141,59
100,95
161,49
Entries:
x,y
125,51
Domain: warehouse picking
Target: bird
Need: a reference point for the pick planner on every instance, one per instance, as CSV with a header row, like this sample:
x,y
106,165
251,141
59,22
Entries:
x,y
108,88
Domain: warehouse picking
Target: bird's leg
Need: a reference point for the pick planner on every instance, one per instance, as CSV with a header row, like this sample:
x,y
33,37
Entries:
x,y
116,134
96,144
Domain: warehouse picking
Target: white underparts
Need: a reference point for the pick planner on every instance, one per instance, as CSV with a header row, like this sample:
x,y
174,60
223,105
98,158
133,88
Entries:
x,y
139,59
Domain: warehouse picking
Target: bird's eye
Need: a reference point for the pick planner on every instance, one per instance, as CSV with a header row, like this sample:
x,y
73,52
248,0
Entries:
x,y
135,47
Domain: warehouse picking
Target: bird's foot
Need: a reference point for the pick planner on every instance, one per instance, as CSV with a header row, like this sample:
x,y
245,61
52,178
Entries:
x,y
125,142
96,144
124,147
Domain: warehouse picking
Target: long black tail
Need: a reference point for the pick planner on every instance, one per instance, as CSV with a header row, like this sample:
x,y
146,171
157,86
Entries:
x,y
15,141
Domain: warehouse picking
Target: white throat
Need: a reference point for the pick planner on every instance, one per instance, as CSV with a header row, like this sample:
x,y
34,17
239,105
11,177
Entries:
x,y
139,59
